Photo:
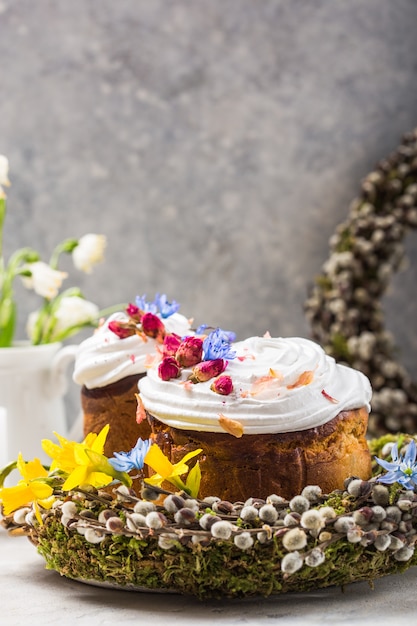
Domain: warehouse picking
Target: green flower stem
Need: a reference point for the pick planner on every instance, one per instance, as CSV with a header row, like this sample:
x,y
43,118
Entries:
x,y
66,246
2,217
8,308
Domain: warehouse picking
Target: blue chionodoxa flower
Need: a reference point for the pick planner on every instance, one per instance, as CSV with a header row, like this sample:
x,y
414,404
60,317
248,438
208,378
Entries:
x,y
402,469
217,345
133,460
160,306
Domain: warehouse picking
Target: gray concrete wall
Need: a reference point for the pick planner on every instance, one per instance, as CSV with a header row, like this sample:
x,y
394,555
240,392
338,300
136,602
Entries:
x,y
216,143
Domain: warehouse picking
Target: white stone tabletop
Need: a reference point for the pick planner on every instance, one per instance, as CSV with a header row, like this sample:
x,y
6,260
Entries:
x,y
32,595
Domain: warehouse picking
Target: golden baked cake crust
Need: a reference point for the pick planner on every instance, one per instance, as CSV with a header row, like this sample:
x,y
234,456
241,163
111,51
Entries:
x,y
259,465
115,405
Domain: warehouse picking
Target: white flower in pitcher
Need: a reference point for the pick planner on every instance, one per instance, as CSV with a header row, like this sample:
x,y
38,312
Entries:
x,y
44,280
75,311
89,252
4,174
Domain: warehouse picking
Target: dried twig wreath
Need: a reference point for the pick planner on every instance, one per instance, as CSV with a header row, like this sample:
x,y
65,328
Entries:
x,y
344,306
215,548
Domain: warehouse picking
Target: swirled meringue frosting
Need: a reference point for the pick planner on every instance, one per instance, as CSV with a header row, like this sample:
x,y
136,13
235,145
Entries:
x,y
104,358
279,385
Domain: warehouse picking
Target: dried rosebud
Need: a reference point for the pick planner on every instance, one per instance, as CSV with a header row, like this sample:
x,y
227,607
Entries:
x,y
222,385
169,368
134,312
190,351
153,327
171,344
121,329
207,369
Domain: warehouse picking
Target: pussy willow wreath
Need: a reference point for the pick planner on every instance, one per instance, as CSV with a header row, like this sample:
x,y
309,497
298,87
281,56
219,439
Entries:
x,y
344,307
215,548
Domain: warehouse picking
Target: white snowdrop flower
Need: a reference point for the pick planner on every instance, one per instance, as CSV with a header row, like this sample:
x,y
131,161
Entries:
x,y
89,252
404,554
144,507
93,536
44,280
69,508
81,530
291,563
299,504
268,513
312,520
222,530
315,558
74,311
4,175
243,541
294,539
167,541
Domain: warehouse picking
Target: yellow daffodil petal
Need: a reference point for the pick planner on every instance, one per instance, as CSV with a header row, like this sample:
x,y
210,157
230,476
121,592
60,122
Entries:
x,y
15,497
76,478
98,479
157,460
190,455
33,470
47,503
40,490
98,445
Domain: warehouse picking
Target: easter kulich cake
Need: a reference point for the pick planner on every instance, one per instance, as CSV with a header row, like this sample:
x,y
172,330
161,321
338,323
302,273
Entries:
x,y
276,415
109,364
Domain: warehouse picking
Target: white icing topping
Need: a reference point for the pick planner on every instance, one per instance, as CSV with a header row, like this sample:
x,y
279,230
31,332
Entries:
x,y
104,358
277,403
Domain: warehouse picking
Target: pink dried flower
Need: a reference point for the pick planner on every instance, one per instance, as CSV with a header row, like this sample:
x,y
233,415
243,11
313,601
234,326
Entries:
x,y
169,368
134,312
171,344
190,351
121,329
222,385
153,327
207,369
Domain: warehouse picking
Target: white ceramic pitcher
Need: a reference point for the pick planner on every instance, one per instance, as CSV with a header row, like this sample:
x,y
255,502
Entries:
x,y
33,381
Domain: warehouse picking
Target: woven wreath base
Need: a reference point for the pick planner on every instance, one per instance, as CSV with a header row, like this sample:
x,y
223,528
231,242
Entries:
x,y
134,558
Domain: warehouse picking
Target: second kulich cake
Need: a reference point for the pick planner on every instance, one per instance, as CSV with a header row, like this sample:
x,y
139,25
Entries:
x,y
109,364
272,415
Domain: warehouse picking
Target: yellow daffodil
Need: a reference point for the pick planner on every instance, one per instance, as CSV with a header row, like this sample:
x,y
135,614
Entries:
x,y
84,462
165,470
33,488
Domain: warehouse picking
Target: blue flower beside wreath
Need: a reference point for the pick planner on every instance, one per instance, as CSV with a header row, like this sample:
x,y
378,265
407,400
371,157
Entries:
x,y
402,469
